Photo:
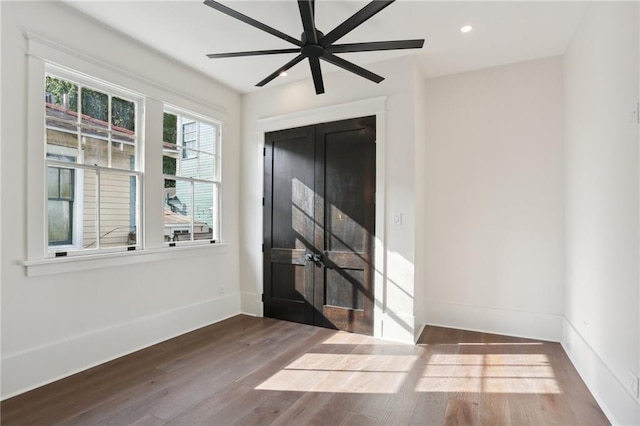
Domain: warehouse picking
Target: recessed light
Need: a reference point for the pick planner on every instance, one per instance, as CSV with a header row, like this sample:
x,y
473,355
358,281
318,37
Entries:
x,y
283,74
466,28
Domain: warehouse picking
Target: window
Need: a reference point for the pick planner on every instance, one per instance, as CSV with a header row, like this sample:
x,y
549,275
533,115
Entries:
x,y
189,139
92,189
93,177
191,147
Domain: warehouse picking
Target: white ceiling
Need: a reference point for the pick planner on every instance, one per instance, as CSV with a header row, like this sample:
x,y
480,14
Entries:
x,y
503,32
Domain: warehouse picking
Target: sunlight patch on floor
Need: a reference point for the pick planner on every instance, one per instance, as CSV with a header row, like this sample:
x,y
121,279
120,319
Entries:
x,y
342,373
334,381
354,362
501,344
490,373
344,338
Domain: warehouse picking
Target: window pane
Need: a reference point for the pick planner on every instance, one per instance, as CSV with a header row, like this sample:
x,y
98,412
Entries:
x,y
207,166
124,138
123,115
177,210
96,151
95,107
86,208
117,209
169,162
170,128
203,211
61,93
57,138
60,222
66,183
56,120
183,196
123,156
207,138
52,182
189,163
189,131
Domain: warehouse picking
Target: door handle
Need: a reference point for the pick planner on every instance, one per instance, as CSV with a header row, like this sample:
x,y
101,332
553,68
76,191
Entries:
x,y
315,258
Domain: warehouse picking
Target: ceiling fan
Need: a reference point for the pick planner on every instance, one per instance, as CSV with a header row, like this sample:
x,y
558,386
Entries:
x,y
315,45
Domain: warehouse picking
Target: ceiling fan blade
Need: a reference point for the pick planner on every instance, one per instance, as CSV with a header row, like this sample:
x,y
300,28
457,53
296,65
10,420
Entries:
x,y
280,70
247,20
375,45
350,66
355,20
317,75
252,53
308,22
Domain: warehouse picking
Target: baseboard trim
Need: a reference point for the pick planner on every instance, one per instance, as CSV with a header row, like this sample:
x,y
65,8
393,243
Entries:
x,y
251,304
388,326
418,332
394,327
36,367
510,322
610,393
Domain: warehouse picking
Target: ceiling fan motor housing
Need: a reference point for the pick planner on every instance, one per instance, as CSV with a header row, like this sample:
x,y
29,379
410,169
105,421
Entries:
x,y
311,50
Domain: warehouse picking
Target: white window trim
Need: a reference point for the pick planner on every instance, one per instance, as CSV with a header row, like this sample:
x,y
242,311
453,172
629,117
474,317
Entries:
x,y
41,51
36,268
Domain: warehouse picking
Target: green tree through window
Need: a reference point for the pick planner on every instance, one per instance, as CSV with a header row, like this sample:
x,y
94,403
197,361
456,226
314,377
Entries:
x,y
94,104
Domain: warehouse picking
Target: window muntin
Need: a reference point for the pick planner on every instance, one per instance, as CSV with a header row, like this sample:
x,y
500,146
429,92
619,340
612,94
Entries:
x,y
101,153
191,178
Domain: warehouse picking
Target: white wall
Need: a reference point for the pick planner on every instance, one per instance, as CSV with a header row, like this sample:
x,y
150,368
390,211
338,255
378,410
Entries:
x,y
602,241
394,317
494,200
54,325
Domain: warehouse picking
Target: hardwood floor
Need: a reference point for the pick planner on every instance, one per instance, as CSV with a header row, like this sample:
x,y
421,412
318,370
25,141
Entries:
x,y
248,371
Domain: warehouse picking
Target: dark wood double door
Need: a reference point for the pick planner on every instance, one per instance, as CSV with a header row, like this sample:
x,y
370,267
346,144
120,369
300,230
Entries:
x,y
319,216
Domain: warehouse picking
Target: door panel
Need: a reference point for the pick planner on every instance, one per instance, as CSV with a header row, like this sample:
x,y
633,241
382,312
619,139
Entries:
x,y
288,288
319,200
289,228
347,164
344,288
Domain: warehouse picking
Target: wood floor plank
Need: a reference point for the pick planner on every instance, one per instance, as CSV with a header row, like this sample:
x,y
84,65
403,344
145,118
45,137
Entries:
x,y
461,412
270,408
357,419
260,371
148,420
207,408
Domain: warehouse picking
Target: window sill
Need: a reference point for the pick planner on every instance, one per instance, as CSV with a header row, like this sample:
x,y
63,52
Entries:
x,y
35,268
